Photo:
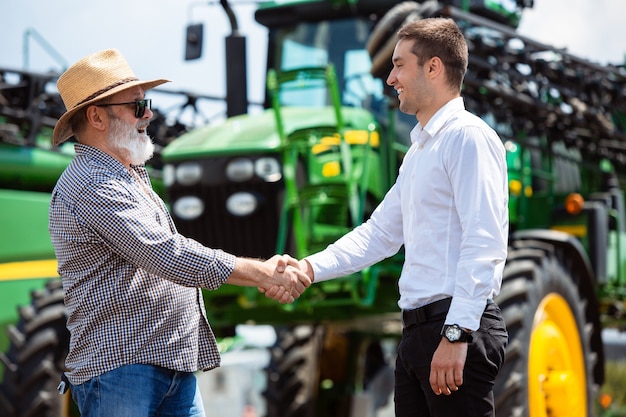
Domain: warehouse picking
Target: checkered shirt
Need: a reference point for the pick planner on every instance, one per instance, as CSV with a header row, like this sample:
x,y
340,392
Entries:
x,y
132,282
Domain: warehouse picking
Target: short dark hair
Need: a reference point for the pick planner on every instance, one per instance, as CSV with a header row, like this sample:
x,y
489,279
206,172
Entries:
x,y
440,37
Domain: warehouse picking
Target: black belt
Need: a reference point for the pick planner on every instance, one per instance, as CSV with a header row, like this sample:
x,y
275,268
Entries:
x,y
429,312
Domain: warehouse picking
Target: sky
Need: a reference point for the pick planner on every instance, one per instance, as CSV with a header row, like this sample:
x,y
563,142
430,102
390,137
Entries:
x,y
43,35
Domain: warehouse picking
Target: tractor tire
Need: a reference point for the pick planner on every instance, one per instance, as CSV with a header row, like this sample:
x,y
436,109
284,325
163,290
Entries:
x,y
314,369
35,359
382,40
548,370
293,372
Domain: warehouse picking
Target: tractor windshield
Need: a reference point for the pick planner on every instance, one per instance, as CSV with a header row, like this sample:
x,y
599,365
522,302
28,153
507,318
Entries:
x,y
340,42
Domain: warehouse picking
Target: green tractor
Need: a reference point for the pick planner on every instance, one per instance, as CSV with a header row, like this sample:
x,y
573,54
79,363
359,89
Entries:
x,y
313,164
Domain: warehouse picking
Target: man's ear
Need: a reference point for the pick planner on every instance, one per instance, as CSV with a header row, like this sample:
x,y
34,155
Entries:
x,y
435,67
95,117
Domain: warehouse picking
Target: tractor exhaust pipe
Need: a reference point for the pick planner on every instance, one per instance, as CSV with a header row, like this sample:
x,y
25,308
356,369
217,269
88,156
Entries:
x,y
236,67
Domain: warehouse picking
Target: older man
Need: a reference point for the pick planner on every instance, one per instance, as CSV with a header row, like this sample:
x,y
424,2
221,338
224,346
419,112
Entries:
x,y
132,282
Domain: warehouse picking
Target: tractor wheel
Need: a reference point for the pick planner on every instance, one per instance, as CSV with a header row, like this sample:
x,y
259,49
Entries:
x,y
35,360
293,372
548,366
314,369
382,40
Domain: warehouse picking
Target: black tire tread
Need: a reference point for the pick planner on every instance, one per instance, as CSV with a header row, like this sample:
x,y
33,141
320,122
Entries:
x,y
292,379
534,269
35,359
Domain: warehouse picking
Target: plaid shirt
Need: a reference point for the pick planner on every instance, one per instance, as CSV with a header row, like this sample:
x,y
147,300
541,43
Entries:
x,y
132,283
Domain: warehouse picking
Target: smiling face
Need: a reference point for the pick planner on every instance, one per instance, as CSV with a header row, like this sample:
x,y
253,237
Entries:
x,y
429,63
408,78
131,142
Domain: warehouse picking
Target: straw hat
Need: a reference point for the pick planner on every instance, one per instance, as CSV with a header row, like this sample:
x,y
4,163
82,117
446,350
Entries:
x,y
93,78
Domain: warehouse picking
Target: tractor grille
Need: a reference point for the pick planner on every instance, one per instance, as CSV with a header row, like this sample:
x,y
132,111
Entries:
x,y
254,235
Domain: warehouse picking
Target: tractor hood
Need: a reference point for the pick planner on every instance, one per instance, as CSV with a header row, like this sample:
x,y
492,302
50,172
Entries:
x,y
247,134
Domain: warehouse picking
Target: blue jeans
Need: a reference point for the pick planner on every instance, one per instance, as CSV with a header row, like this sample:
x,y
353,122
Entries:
x,y
139,391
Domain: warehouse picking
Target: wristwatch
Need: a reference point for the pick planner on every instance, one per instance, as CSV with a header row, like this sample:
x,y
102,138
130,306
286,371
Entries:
x,y
454,333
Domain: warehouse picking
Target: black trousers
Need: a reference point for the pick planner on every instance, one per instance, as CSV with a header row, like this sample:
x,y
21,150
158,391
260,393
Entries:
x,y
413,396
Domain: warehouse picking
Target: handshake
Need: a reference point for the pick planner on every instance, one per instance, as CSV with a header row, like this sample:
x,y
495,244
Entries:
x,y
288,280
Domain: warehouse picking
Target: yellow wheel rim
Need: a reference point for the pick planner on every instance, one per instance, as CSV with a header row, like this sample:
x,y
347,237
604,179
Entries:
x,y
556,366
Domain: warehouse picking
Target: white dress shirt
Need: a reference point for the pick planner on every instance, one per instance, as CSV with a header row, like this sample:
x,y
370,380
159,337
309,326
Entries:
x,y
449,208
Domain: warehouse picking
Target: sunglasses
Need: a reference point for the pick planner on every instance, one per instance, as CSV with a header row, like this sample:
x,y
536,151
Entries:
x,y
140,106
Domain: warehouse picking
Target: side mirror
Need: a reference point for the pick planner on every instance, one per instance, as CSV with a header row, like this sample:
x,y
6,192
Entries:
x,y
193,41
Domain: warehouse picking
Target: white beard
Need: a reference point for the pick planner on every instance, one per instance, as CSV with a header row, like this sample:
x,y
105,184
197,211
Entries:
x,y
134,146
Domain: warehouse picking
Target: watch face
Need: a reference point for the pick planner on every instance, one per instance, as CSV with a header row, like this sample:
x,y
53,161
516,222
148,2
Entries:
x,y
453,333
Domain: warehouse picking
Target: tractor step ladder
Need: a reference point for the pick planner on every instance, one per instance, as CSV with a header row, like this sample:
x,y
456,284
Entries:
x,y
321,198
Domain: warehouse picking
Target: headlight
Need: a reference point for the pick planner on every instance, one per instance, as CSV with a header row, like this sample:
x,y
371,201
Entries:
x,y
188,208
268,169
169,175
241,204
239,170
188,173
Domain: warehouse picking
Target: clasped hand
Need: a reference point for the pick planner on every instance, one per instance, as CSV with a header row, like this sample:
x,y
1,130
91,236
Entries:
x,y
289,280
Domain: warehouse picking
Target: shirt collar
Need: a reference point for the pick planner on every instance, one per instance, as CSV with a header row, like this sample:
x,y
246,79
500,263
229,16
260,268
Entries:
x,y
102,157
421,134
